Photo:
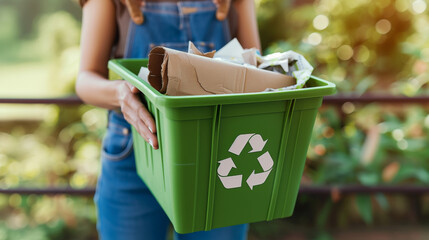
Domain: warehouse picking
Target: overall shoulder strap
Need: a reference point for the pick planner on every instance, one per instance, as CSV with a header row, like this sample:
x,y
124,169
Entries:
x,y
134,6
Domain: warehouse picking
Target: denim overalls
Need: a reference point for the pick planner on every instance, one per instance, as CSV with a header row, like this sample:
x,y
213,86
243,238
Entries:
x,y
126,209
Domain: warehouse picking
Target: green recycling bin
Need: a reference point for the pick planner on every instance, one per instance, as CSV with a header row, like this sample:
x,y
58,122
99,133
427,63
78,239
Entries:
x,y
225,159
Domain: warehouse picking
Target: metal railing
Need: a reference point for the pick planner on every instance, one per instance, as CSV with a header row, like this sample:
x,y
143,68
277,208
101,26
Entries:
x,y
328,100
304,189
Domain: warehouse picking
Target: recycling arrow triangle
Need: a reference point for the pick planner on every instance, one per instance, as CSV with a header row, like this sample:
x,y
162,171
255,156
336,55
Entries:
x,y
265,160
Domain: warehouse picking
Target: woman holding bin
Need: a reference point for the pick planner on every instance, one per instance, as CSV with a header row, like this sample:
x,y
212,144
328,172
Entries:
x,y
126,209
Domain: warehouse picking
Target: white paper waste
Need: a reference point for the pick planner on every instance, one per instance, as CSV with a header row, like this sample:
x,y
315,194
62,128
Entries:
x,y
289,63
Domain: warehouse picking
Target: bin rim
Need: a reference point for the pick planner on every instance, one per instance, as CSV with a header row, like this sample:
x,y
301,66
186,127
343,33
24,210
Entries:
x,y
116,65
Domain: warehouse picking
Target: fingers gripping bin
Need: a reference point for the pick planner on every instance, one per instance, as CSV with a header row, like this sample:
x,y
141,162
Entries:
x,y
225,159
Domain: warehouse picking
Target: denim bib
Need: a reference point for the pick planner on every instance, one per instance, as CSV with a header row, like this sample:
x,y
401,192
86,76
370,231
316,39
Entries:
x,y
173,25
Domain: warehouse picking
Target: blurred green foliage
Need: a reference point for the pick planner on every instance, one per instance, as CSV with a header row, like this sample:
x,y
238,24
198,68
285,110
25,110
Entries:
x,y
62,152
45,218
57,146
362,46
374,145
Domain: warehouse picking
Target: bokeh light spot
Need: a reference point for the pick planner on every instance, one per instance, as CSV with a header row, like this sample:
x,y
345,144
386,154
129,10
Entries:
x,y
419,6
320,149
315,39
403,144
348,108
398,134
345,52
79,180
383,26
339,74
362,54
320,22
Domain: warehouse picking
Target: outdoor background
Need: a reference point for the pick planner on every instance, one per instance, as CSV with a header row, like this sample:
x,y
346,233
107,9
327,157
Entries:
x,y
365,47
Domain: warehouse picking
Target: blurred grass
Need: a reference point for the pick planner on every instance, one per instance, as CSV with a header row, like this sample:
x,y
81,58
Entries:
x,y
26,80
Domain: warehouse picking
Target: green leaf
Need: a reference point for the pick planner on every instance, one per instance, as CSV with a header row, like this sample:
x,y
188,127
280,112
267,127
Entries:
x,y
323,216
382,201
364,205
323,236
368,179
365,84
422,175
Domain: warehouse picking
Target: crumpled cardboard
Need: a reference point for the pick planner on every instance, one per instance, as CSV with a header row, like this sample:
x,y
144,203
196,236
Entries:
x,y
194,50
178,73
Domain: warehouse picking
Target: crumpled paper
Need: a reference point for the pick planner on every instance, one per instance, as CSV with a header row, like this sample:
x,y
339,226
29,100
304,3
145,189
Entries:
x,y
289,63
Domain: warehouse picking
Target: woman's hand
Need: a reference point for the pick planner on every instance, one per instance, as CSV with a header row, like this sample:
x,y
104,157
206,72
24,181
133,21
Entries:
x,y
137,114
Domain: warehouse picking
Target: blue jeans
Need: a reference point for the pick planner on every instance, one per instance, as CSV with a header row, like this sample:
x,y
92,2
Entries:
x,y
126,209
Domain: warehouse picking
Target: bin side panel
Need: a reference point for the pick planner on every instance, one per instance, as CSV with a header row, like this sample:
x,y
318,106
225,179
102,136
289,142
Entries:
x,y
187,151
202,172
299,137
247,132
151,164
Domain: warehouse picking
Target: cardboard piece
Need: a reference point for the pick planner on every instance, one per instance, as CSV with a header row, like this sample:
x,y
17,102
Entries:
x,y
178,73
194,50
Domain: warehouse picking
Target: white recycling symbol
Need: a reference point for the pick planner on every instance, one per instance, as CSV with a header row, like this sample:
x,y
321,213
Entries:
x,y
265,160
